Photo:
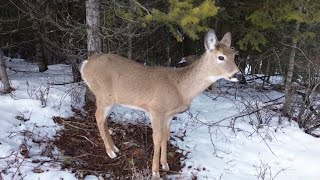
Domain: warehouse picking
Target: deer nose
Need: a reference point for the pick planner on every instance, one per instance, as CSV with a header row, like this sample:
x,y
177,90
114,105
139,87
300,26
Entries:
x,y
238,76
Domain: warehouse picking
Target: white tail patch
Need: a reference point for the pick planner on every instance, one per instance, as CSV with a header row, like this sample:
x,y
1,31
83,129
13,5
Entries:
x,y
82,74
82,66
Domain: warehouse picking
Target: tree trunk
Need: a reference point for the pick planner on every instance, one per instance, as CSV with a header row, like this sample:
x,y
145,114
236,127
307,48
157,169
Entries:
x,y
3,75
271,71
288,84
93,25
48,55
93,35
130,34
216,20
265,69
129,41
168,63
242,66
75,69
42,62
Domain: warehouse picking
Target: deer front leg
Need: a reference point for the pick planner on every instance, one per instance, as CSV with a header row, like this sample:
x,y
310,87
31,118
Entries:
x,y
213,88
157,127
104,131
164,144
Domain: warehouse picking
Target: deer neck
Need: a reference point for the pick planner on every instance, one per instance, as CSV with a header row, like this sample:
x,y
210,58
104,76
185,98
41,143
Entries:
x,y
195,78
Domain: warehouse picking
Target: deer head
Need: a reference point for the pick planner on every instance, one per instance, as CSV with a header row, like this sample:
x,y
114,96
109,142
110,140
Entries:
x,y
219,57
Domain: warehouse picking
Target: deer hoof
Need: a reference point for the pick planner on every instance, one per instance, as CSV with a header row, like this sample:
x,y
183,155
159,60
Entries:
x,y
111,154
165,166
155,175
115,149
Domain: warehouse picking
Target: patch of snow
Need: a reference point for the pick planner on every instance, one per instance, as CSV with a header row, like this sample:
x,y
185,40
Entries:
x,y
219,143
28,112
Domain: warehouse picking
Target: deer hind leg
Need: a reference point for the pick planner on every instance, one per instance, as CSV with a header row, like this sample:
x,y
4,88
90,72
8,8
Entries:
x,y
157,122
213,88
164,143
101,114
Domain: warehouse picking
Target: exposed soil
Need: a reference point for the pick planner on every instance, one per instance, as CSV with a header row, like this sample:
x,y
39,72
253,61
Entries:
x,y
84,152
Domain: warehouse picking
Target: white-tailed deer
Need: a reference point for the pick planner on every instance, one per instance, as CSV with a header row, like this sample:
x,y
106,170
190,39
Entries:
x,y
188,60
161,91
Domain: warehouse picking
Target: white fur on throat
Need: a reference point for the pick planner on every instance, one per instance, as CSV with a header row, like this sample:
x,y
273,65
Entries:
x,y
213,79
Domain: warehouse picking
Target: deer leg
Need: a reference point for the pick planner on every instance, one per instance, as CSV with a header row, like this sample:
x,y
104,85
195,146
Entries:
x,y
213,88
157,123
104,131
164,143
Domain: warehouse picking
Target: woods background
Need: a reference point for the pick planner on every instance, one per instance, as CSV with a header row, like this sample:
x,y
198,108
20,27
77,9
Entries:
x,y
274,37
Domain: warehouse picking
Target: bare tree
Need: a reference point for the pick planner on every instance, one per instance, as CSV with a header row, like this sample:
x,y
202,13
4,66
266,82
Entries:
x,y
93,34
288,85
4,75
75,70
130,34
38,27
93,25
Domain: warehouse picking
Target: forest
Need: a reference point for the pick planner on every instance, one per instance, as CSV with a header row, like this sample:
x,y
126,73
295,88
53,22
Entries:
x,y
47,110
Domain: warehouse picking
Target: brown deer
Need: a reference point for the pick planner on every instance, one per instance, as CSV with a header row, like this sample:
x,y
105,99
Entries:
x,y
161,91
187,60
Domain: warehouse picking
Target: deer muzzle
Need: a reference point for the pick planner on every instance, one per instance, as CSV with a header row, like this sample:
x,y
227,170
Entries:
x,y
236,77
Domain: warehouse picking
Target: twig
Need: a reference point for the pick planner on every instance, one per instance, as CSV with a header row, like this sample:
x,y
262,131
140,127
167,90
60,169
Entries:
x,y
61,84
18,169
264,141
274,99
89,140
282,170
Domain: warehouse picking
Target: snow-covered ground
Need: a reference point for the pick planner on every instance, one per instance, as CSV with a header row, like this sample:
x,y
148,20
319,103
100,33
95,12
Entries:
x,y
220,143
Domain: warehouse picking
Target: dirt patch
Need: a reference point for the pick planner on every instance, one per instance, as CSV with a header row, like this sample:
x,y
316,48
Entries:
x,y
83,149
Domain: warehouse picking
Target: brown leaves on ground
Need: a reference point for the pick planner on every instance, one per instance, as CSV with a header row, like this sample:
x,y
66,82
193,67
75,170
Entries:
x,y
83,149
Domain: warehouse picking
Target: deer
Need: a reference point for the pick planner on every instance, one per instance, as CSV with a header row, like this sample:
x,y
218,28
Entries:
x,y
187,60
161,91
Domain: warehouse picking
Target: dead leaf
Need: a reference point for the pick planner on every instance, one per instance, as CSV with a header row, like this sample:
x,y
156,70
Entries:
x,y
38,170
24,150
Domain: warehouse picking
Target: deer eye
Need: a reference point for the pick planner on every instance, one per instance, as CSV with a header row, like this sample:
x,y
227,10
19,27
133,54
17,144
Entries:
x,y
221,58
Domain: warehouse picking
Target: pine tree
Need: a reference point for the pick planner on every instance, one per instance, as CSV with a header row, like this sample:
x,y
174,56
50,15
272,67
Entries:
x,y
273,16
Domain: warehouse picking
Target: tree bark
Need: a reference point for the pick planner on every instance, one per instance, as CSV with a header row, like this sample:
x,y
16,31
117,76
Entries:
x,y
168,63
243,66
93,35
93,26
3,75
75,69
288,84
42,62
130,33
129,40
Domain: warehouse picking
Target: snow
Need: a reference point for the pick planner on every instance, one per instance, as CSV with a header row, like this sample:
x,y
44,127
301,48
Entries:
x,y
240,153
219,144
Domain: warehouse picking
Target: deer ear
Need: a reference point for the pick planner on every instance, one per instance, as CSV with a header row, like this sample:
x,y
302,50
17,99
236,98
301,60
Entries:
x,y
226,39
210,40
